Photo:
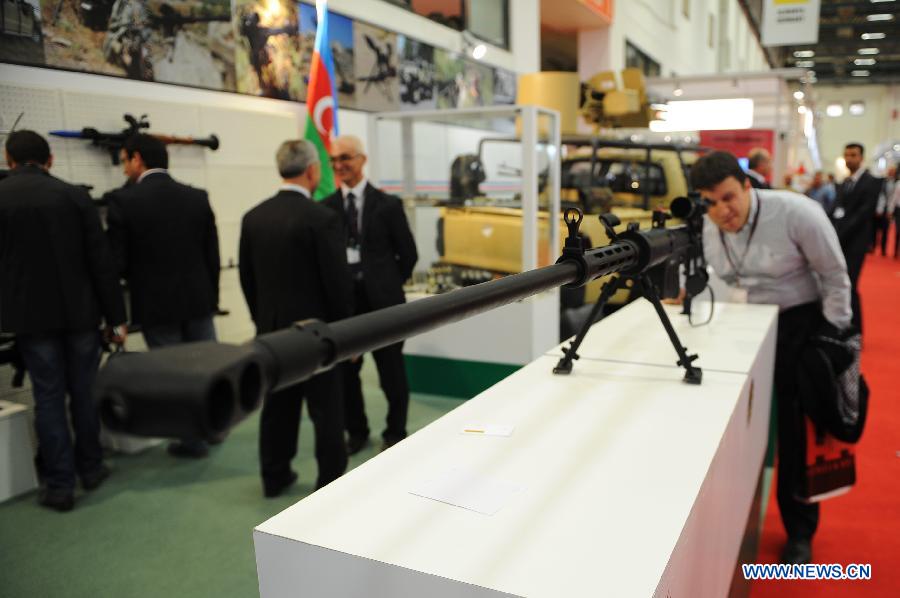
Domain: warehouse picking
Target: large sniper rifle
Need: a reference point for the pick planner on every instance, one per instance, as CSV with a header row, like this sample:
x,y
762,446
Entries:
x,y
202,389
114,142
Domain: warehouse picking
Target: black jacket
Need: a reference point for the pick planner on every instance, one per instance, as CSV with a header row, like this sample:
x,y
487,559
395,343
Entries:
x,y
56,271
853,215
387,249
164,240
293,263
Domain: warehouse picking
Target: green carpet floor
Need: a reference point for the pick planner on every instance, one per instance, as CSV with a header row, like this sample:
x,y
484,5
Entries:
x,y
163,527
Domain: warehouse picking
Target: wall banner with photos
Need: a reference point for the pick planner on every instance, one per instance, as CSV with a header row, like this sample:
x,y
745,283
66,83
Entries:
x,y
253,47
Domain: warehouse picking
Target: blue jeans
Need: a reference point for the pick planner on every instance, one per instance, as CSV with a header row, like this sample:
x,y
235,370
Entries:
x,y
189,331
59,364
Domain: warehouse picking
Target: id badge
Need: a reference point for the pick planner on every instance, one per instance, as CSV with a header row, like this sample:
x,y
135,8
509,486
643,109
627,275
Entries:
x,y
353,255
739,295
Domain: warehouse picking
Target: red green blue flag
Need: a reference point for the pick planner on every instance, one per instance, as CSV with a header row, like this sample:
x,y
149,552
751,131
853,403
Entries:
x,y
321,101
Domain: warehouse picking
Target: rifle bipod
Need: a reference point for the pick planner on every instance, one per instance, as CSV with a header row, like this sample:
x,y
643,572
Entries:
x,y
642,283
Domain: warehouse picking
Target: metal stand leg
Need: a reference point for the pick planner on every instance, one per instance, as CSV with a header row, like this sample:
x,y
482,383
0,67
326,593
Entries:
x,y
692,374
571,352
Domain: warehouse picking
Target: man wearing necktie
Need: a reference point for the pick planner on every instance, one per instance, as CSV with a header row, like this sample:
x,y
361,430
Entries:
x,y
381,253
853,217
292,268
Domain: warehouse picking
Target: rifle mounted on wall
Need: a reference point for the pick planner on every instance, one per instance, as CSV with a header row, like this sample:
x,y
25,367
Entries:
x,y
114,142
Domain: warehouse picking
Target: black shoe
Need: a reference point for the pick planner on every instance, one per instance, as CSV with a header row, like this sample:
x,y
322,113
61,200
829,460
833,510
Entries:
x,y
797,551
272,490
356,444
388,443
58,500
185,450
92,481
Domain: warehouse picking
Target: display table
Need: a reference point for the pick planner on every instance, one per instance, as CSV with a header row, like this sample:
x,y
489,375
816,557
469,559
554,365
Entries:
x,y
17,475
464,358
625,482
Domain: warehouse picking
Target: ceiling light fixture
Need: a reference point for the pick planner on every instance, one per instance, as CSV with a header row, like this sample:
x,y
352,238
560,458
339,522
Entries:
x,y
473,45
860,73
864,61
868,51
869,36
804,54
834,110
857,108
799,95
805,64
880,17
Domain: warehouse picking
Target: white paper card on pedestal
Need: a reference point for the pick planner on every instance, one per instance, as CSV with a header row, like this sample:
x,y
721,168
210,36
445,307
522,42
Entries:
x,y
487,430
469,490
790,22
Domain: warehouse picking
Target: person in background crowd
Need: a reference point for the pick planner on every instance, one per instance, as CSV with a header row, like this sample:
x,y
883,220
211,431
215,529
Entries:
x,y
775,247
884,212
760,164
893,207
853,216
164,239
381,253
822,191
57,282
293,267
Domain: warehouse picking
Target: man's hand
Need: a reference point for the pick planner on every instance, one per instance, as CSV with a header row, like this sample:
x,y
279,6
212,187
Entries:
x,y
116,334
677,300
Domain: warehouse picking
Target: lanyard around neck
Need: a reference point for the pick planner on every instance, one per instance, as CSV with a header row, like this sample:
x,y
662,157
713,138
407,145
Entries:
x,y
737,267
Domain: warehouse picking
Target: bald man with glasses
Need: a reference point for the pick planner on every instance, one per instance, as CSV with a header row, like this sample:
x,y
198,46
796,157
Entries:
x,y
381,253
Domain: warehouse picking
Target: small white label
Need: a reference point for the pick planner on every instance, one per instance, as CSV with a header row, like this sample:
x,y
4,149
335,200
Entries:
x,y
353,255
838,213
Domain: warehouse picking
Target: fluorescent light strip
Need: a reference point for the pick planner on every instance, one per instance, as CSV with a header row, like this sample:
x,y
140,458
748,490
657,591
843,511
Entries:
x,y
868,51
805,64
804,54
861,73
880,17
864,61
870,36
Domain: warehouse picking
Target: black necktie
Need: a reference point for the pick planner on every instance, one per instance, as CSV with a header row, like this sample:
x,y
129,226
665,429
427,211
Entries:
x,y
848,185
352,222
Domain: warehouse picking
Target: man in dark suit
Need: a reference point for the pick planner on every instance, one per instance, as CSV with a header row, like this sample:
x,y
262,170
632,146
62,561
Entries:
x,y
164,239
292,268
759,162
57,281
853,217
381,253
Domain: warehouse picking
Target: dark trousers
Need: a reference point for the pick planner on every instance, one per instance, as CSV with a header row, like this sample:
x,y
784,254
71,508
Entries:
x,y
391,376
855,261
897,232
189,331
795,325
279,428
880,230
60,364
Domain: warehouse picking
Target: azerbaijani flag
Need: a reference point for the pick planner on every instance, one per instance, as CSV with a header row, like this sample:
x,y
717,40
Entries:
x,y
321,101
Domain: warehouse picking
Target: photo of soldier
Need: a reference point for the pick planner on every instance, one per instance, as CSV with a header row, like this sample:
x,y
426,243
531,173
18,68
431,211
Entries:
x,y
340,38
417,74
448,73
269,49
188,42
476,87
504,86
375,57
21,35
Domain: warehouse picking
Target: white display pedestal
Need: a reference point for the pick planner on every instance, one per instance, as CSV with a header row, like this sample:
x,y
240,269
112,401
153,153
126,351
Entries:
x,y
633,484
17,475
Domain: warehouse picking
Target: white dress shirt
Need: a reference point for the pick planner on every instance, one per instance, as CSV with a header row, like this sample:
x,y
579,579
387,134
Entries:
x,y
794,256
359,197
150,171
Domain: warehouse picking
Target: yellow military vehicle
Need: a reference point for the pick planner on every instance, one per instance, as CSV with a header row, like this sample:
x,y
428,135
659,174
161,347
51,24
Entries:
x,y
598,176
